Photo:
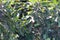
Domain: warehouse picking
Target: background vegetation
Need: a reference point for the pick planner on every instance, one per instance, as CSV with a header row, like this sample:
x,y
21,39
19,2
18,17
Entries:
x,y
29,19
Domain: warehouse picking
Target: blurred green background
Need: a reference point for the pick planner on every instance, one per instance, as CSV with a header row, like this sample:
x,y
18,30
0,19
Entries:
x,y
29,19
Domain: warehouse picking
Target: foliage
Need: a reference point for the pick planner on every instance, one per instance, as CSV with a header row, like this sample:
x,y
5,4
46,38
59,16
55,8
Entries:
x,y
29,20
